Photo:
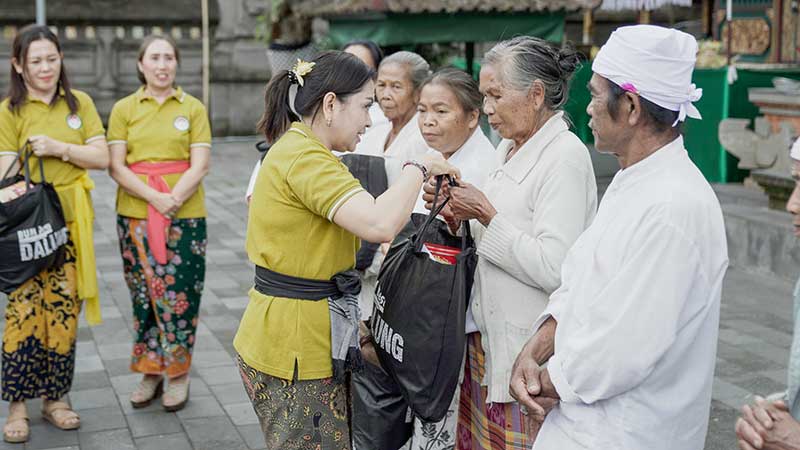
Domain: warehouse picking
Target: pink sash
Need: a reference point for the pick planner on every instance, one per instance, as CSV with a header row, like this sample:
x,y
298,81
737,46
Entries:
x,y
157,223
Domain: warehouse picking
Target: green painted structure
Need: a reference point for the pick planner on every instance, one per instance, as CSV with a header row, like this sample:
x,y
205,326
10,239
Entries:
x,y
387,29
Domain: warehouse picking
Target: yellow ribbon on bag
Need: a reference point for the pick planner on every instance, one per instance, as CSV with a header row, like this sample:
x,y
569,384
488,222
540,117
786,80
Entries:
x,y
79,215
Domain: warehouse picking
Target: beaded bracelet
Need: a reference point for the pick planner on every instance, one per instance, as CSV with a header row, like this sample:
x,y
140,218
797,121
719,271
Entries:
x,y
419,166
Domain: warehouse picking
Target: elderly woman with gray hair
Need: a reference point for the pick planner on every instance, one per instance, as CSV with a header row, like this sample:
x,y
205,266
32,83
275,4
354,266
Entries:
x,y
400,76
537,201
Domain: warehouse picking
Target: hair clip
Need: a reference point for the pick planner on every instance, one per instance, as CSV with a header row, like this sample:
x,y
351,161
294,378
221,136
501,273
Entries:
x,y
301,69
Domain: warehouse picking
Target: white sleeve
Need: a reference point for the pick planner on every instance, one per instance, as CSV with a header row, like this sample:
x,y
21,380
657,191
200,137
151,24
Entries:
x,y
534,255
554,308
252,183
393,168
633,320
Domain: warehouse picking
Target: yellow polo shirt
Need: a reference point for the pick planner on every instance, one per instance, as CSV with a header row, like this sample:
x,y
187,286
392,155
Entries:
x,y
56,122
154,133
290,230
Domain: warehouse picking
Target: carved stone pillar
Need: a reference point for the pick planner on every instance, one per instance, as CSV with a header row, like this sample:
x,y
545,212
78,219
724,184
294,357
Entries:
x,y
765,151
239,69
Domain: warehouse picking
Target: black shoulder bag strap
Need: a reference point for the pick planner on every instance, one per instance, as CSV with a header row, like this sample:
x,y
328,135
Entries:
x,y
26,166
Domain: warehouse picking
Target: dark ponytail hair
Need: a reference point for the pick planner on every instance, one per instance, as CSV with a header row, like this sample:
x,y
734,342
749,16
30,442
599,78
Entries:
x,y
17,91
334,71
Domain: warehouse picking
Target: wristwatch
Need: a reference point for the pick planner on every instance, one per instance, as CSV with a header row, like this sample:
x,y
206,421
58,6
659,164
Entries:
x,y
65,155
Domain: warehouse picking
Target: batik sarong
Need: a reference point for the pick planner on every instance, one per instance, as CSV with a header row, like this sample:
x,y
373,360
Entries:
x,y
40,333
166,298
482,426
299,414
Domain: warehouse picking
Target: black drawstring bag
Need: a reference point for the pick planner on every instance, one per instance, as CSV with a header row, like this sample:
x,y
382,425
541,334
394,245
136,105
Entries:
x,y
420,311
33,233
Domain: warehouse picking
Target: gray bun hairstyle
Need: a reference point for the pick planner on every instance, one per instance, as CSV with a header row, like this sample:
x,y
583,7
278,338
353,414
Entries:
x,y
524,59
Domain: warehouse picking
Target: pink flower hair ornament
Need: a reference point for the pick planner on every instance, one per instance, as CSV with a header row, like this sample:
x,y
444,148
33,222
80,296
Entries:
x,y
629,87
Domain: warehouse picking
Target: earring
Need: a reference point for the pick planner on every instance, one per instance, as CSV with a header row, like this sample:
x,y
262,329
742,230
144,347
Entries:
x,y
328,122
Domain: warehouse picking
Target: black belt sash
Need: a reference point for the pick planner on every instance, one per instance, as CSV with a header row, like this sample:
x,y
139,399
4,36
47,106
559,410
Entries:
x,y
342,290
277,284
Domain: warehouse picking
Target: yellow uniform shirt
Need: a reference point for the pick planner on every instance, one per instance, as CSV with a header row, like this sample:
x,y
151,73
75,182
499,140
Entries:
x,y
155,133
290,230
72,183
56,122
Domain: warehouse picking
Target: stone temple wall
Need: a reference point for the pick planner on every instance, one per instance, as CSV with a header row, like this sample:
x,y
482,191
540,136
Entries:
x,y
240,69
100,40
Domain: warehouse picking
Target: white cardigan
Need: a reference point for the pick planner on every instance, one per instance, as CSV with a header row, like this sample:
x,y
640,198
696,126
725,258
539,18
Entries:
x,y
545,196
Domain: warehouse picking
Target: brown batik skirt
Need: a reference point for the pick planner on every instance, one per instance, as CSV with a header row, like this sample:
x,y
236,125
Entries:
x,y
299,414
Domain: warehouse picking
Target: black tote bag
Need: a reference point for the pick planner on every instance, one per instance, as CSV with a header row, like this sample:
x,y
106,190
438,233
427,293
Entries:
x,y
33,233
420,312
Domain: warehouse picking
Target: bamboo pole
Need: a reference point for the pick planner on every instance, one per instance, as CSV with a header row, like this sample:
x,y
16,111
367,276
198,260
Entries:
x,y
729,19
41,13
206,52
779,17
588,26
707,22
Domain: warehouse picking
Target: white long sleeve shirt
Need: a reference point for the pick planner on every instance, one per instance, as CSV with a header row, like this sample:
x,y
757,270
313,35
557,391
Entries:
x,y
408,144
545,196
638,314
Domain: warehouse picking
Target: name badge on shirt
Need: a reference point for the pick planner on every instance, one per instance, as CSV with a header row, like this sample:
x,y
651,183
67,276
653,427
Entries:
x,y
74,121
181,123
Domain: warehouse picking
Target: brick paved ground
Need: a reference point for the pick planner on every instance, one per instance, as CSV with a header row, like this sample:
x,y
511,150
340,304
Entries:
x,y
754,342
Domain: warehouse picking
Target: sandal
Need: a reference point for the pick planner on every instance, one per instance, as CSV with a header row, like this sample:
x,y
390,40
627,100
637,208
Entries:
x,y
149,389
61,415
16,429
176,396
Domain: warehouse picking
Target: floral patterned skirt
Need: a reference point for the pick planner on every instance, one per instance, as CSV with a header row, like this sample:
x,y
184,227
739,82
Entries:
x,y
166,298
299,414
40,333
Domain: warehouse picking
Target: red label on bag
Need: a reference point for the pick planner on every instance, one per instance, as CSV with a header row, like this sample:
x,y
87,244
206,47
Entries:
x,y
12,192
441,253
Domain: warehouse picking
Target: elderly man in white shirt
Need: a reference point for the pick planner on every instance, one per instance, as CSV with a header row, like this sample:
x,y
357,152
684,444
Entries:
x,y
630,337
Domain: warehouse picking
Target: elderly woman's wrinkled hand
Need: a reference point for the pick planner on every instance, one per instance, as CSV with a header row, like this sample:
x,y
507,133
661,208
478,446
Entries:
x,y
429,192
468,202
767,425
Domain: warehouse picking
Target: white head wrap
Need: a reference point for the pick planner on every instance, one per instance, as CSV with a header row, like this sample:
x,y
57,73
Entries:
x,y
795,153
654,62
